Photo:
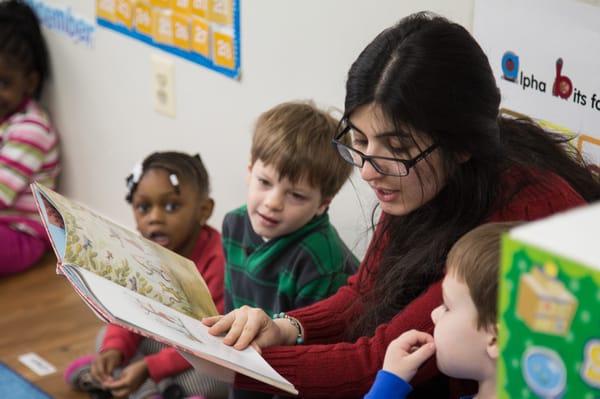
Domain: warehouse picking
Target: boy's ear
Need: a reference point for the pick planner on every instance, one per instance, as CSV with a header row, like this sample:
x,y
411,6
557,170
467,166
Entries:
x,y
492,347
249,173
324,205
206,210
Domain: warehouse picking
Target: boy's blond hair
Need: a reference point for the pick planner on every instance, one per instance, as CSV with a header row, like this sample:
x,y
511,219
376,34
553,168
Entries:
x,y
475,259
295,139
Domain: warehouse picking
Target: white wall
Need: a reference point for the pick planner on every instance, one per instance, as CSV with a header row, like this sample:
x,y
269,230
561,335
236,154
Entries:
x,y
100,98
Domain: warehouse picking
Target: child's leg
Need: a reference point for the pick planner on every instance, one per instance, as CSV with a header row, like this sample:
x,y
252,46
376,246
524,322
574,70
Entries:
x,y
193,383
78,373
18,250
189,382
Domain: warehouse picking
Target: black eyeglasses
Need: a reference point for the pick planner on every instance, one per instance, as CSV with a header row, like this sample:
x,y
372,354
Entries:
x,y
384,165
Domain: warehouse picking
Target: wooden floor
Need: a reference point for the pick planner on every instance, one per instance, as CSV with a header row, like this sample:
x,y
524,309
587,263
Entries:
x,y
41,313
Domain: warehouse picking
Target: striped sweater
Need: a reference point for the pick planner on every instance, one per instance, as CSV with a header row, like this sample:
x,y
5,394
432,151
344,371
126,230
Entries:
x,y
29,152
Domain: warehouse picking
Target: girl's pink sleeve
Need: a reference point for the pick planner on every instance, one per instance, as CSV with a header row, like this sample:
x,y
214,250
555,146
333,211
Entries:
x,y
121,339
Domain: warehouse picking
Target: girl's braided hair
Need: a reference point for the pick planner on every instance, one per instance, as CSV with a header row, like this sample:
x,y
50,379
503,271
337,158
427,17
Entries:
x,y
178,164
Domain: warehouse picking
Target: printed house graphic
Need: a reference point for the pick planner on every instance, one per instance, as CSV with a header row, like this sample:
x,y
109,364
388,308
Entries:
x,y
544,304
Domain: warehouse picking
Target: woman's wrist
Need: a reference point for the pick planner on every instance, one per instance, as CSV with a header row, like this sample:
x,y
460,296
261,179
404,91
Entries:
x,y
290,328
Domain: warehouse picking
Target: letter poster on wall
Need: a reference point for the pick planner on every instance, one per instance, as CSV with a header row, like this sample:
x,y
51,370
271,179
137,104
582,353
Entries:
x,y
206,32
545,56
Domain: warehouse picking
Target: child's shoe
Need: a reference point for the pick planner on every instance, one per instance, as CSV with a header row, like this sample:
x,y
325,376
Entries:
x,y
173,391
78,375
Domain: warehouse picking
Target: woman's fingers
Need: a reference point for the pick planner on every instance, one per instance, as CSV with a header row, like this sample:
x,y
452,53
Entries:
x,y
250,331
210,321
236,328
242,327
220,324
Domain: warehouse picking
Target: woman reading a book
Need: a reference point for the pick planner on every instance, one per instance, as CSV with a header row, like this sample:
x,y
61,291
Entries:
x,y
422,109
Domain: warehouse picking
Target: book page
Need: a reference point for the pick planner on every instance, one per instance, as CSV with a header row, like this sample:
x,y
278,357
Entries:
x,y
178,329
124,257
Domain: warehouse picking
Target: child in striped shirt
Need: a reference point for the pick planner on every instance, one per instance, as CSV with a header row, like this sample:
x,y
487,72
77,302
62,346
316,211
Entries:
x,y
28,144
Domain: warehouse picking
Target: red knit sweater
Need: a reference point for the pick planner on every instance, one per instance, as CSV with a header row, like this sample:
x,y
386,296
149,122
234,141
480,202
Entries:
x,y
328,367
209,259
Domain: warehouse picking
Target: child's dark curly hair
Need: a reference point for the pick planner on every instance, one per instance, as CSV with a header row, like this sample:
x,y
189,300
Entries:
x,y
21,39
186,167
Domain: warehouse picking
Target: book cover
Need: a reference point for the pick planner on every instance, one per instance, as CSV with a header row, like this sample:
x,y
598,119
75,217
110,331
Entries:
x,y
549,308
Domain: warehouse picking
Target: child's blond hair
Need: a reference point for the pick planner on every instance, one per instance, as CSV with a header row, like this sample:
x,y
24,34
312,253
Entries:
x,y
295,139
475,259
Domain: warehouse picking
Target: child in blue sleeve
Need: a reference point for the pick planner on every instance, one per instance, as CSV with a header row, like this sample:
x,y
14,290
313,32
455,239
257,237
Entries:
x,y
465,336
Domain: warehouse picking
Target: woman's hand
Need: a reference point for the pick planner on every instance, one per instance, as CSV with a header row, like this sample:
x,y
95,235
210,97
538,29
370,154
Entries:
x,y
251,326
104,364
132,377
407,353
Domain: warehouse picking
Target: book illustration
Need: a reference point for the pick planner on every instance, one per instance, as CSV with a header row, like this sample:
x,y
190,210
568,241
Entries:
x,y
590,371
544,372
124,257
150,268
52,214
544,303
172,322
116,236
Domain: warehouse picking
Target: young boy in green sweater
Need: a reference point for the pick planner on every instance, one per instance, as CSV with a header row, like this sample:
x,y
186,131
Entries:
x,y
281,250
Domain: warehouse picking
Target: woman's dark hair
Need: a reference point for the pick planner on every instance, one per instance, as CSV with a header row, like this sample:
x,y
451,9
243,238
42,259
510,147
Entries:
x,y
427,74
21,39
186,167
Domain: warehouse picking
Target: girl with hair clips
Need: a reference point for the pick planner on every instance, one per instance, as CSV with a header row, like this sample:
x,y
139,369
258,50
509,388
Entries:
x,y
28,143
169,193
422,112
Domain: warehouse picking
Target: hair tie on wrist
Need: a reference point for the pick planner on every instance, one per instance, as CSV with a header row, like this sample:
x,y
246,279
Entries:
x,y
295,323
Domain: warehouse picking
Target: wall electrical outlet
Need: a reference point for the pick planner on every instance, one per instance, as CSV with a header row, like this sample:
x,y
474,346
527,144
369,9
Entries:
x,y
163,85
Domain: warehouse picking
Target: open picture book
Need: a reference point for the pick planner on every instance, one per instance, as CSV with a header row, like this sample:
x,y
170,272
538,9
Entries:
x,y
135,283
